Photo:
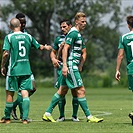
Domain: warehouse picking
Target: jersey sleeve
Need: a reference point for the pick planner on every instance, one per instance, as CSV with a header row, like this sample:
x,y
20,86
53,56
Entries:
x,y
70,38
56,47
34,43
120,46
6,45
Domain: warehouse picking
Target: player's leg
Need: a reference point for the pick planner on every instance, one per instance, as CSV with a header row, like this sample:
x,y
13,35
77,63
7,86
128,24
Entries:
x,y
8,107
25,87
17,102
75,105
25,106
74,81
83,103
130,83
11,87
61,105
55,99
62,101
47,115
82,100
31,92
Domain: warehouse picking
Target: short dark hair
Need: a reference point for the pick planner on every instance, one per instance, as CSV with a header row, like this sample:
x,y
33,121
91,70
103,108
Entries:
x,y
20,15
68,22
130,21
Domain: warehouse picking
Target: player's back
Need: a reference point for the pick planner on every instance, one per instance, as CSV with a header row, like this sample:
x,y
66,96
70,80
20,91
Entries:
x,y
19,45
127,41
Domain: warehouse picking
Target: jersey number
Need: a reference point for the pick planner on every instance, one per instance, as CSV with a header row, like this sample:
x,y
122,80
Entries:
x,y
22,49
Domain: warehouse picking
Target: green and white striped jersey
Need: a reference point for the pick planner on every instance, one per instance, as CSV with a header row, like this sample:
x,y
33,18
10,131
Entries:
x,y
76,42
58,41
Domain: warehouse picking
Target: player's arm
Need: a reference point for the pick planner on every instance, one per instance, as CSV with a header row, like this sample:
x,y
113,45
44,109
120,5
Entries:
x,y
83,59
64,58
54,60
39,46
120,57
4,61
47,47
60,50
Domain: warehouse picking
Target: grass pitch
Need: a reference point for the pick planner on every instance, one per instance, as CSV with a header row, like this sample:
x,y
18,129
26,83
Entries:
x,y
113,104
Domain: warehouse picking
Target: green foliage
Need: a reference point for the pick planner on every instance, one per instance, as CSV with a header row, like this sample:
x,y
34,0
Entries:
x,y
92,80
107,81
1,42
101,34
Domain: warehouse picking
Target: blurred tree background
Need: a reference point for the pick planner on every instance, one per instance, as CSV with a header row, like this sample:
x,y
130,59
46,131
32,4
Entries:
x,y
104,19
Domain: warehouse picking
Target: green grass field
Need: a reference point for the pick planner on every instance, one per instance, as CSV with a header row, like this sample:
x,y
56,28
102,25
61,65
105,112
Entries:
x,y
113,104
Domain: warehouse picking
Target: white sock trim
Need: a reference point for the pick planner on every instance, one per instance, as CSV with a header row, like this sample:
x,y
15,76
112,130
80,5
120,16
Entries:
x,y
88,117
47,114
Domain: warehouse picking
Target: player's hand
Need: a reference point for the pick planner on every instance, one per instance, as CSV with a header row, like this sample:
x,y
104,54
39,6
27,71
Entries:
x,y
80,67
47,47
56,62
62,44
117,75
64,70
3,71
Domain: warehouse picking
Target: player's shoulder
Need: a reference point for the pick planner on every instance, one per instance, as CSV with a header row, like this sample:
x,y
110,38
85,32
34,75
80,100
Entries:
x,y
129,34
60,37
74,30
57,38
73,33
27,35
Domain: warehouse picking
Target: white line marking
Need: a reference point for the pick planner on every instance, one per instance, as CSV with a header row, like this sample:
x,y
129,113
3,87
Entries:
x,y
102,113
97,113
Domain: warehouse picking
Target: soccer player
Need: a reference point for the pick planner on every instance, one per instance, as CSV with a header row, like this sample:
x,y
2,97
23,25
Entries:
x,y
65,26
126,46
72,64
18,101
17,45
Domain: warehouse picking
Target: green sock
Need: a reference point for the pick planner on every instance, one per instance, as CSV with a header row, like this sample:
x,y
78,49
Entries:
x,y
8,109
21,109
54,102
75,105
17,101
84,106
25,106
132,101
61,105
